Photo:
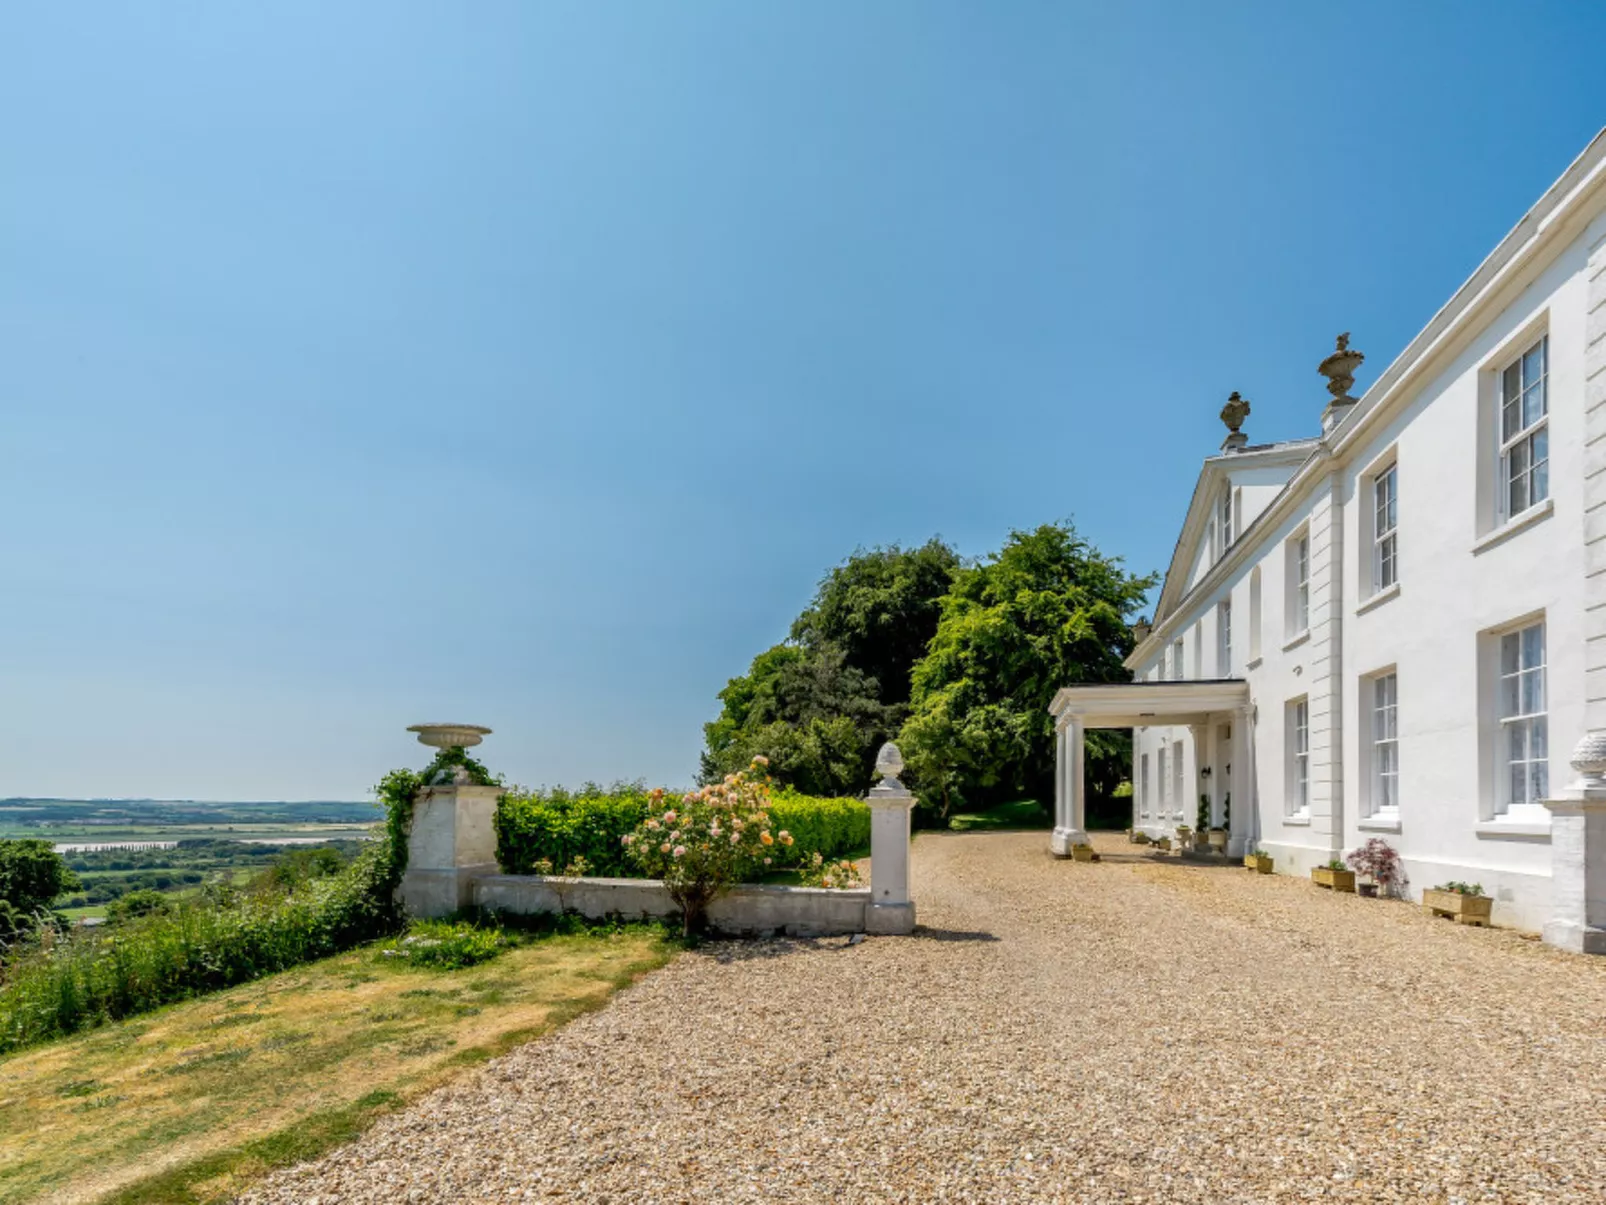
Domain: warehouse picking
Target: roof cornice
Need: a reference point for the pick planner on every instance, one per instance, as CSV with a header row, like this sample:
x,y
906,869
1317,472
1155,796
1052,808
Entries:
x,y
1563,210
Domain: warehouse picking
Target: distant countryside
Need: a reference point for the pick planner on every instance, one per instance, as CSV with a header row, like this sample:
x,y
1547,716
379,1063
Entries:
x,y
177,847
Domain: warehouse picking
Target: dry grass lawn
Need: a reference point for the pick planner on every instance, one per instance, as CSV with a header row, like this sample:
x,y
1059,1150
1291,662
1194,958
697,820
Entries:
x,y
189,1103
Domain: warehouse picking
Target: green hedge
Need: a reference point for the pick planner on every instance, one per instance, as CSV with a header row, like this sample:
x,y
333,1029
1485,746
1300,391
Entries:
x,y
90,976
560,827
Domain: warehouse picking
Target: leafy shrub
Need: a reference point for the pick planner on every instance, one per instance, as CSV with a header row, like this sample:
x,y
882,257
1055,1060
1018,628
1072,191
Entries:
x,y
90,976
136,904
1378,861
445,945
707,840
542,830
32,874
818,872
1461,888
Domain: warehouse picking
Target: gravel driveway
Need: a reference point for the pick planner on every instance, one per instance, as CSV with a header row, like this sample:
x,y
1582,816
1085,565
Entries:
x,y
1134,1030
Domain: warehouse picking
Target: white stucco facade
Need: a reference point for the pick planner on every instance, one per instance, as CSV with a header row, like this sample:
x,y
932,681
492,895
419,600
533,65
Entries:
x,y
1416,603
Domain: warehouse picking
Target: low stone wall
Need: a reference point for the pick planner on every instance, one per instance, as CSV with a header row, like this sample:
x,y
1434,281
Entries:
x,y
747,910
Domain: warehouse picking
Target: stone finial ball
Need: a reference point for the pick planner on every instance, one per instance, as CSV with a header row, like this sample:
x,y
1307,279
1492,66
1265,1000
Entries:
x,y
889,762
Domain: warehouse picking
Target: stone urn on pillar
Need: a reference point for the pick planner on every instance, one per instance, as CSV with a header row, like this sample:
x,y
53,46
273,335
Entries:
x,y
891,911
453,834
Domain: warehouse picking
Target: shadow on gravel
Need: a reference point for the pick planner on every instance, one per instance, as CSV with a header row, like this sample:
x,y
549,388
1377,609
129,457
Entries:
x,y
952,935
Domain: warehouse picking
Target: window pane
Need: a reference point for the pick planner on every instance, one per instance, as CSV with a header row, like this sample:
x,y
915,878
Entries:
x,y
1539,779
1517,490
1538,739
1511,383
1533,646
1517,742
1533,363
1510,650
1533,405
1533,692
1510,419
1519,782
1539,484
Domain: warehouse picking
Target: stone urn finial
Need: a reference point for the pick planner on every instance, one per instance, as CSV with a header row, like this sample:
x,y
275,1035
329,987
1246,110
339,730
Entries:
x,y
1235,411
449,736
1589,760
889,764
1339,369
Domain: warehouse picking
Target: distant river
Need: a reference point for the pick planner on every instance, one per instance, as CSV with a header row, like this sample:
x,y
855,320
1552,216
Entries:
x,y
85,847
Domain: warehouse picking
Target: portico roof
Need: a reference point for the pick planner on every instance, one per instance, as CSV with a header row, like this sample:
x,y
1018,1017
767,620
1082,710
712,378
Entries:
x,y
1146,704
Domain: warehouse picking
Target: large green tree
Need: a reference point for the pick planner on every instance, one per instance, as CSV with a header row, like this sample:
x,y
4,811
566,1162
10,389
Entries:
x,y
818,705
32,875
1048,610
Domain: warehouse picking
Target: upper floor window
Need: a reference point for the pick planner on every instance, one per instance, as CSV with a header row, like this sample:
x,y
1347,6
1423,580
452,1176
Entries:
x,y
1385,524
1525,431
1224,639
1176,660
1524,753
1297,576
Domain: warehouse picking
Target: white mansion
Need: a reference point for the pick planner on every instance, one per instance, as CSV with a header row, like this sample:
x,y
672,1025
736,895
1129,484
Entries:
x,y
1397,627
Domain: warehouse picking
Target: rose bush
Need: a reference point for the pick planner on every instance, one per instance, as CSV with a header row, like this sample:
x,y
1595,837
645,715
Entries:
x,y
703,842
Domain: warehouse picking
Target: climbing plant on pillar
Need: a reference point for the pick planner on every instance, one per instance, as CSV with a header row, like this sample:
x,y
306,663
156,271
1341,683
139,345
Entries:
x,y
398,792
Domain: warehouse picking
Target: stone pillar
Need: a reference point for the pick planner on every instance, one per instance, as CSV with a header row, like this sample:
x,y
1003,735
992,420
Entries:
x,y
453,838
1578,854
891,911
453,834
1070,789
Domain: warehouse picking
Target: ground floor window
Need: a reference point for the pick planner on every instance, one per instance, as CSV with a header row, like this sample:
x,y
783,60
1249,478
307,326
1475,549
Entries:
x,y
1298,739
1385,745
1524,749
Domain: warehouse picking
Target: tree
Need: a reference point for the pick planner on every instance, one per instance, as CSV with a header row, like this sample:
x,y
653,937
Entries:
x,y
32,874
819,705
135,904
1046,611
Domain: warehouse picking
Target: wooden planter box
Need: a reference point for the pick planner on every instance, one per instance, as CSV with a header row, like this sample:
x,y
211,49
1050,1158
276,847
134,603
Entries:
x,y
1084,853
1463,909
1333,880
1259,863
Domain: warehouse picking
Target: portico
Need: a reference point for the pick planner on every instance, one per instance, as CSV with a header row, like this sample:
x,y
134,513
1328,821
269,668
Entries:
x,y
1220,721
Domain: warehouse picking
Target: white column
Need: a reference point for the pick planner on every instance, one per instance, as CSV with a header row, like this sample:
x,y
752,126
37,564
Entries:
x,y
891,910
1245,802
1201,750
1071,789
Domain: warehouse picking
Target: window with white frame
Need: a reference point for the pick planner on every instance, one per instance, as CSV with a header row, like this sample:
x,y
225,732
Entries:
x,y
1164,791
1254,614
1524,750
1298,578
1385,522
1224,638
1176,660
1385,699
1177,796
1525,431
1144,785
1298,737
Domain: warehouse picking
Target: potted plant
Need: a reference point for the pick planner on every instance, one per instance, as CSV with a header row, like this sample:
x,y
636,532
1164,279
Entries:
x,y
1335,876
1379,867
1463,902
1184,835
1260,861
1084,853
1139,837
1163,844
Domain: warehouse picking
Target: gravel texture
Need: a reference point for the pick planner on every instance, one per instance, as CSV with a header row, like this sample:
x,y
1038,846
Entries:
x,y
1140,1029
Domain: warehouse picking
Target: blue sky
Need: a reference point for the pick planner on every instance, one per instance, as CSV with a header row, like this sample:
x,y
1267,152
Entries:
x,y
527,364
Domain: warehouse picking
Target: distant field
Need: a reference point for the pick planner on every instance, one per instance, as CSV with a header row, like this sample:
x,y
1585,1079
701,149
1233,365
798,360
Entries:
x,y
115,845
